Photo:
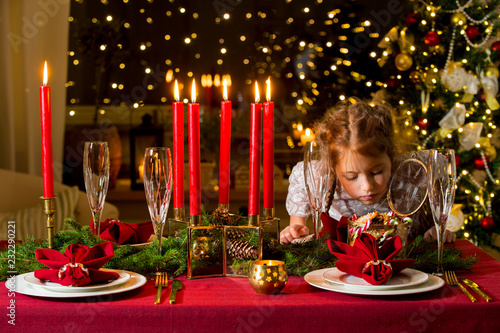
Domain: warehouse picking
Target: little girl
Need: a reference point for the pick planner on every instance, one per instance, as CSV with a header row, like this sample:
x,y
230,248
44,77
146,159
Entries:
x,y
363,151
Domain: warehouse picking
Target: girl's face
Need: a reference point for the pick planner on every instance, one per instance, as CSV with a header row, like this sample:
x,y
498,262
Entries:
x,y
364,178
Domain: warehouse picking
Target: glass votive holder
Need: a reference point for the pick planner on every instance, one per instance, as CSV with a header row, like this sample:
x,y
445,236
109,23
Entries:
x,y
382,232
268,277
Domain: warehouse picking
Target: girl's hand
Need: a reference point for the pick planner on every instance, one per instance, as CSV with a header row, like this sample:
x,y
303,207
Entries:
x,y
448,236
293,231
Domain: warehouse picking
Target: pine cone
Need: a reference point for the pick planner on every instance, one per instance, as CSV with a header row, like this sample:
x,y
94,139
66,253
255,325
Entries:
x,y
234,234
238,249
221,216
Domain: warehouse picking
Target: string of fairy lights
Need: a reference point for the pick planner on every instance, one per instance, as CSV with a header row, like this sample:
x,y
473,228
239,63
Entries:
x,y
278,49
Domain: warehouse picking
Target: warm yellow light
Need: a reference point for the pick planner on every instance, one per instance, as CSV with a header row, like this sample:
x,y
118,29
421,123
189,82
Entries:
x,y
176,91
257,96
193,92
45,75
268,90
225,94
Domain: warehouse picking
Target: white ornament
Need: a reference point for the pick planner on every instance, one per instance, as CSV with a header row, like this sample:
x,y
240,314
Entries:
x,y
490,87
454,78
472,84
456,218
454,118
470,135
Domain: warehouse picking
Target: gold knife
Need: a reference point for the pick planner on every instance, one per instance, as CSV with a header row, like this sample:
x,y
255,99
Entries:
x,y
476,288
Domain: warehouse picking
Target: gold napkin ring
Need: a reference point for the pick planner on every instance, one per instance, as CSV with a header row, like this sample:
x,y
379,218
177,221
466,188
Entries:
x,y
375,262
72,265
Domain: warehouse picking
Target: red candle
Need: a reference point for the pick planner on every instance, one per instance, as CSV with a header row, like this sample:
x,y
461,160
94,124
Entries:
x,y
194,154
268,148
225,148
255,150
178,142
46,126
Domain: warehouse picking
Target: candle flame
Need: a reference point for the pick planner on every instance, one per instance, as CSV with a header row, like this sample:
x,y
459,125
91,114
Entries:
x,y
193,92
268,92
225,89
257,96
45,76
176,91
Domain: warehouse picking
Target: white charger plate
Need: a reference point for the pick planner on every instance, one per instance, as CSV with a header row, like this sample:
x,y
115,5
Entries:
x,y
315,278
22,287
406,278
32,280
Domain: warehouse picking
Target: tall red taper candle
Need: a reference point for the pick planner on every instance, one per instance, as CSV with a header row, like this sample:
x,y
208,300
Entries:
x,y
268,148
255,150
194,155
178,142
46,127
225,148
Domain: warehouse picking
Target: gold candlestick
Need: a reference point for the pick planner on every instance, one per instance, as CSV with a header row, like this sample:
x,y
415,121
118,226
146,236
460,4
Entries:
x,y
253,220
195,221
268,213
179,214
49,210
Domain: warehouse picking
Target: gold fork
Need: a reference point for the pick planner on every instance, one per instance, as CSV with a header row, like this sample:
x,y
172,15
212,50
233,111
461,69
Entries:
x,y
161,281
452,280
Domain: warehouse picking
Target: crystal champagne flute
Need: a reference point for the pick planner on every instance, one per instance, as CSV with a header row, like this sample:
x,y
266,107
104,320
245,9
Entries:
x,y
158,187
442,181
317,176
96,175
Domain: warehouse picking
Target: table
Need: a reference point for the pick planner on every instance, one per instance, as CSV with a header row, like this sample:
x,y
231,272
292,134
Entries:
x,y
231,305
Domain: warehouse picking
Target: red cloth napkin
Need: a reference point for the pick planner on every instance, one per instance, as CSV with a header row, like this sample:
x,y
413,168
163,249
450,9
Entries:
x,y
365,260
124,233
78,266
336,229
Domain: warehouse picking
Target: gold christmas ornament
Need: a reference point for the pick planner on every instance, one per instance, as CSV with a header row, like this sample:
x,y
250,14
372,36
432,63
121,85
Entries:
x,y
492,70
458,18
431,79
488,148
403,61
415,77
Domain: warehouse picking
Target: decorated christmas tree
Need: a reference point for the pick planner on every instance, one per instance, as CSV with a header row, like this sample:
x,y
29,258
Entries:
x,y
441,72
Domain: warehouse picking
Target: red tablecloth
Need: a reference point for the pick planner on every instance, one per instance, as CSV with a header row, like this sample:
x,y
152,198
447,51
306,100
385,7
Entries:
x,y
231,305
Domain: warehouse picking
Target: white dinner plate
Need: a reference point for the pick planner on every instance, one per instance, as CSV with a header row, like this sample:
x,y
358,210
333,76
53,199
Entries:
x,y
315,278
32,280
406,278
136,280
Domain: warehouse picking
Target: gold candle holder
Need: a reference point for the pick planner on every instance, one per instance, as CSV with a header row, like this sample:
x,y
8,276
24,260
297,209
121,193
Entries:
x,y
241,243
270,223
253,220
178,222
224,206
268,277
49,209
205,251
268,213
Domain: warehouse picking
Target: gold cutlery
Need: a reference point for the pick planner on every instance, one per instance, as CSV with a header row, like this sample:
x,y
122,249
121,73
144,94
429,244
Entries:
x,y
176,285
161,281
451,279
476,288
